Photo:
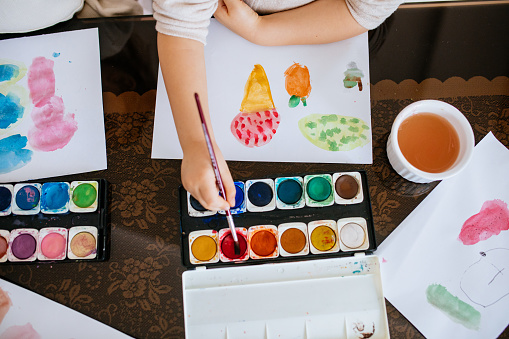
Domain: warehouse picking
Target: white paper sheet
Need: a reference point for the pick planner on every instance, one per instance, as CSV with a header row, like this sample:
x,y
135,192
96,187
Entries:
x,y
425,250
47,318
230,60
77,74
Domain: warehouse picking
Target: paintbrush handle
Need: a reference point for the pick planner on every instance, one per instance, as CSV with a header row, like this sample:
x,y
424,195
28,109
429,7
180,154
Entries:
x,y
215,165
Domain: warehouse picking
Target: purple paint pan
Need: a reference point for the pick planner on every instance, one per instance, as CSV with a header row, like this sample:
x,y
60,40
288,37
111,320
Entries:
x,y
23,245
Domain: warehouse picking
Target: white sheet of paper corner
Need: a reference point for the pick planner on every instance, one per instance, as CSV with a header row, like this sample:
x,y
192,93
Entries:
x,y
78,81
230,59
424,249
49,318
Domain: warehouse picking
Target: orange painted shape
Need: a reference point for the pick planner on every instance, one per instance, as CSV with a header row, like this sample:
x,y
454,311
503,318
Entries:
x,y
298,82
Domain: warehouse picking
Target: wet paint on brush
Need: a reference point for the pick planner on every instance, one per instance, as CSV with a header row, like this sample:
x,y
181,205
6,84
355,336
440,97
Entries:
x,y
293,239
260,195
4,244
323,236
240,199
52,243
318,190
289,193
83,196
55,197
227,250
347,188
23,245
6,192
195,209
203,247
82,242
263,242
27,199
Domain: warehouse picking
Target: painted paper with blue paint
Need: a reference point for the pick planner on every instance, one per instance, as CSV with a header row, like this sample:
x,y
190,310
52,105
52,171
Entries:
x,y
8,72
13,154
11,110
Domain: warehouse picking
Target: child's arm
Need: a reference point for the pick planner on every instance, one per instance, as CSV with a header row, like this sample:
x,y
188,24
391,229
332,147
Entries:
x,y
321,21
183,66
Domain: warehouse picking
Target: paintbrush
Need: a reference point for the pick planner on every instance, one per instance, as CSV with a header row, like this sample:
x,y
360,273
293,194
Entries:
x,y
218,175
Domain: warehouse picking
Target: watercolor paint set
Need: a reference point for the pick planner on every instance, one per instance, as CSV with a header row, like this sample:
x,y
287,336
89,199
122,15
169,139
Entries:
x,y
282,219
304,268
54,221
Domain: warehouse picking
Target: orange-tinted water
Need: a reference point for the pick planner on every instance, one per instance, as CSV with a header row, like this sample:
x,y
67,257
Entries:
x,y
429,142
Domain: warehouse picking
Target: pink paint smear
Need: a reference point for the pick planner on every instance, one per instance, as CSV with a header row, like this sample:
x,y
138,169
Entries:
x,y
52,128
20,332
491,220
5,304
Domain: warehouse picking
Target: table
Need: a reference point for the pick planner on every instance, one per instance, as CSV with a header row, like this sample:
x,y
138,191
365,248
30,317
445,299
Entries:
x,y
455,52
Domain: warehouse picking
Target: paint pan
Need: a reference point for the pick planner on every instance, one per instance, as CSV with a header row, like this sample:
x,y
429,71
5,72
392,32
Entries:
x,y
82,242
26,199
240,199
318,190
55,197
347,188
23,245
6,193
323,236
290,193
263,242
195,209
226,245
84,197
203,247
260,195
52,243
4,244
293,239
353,234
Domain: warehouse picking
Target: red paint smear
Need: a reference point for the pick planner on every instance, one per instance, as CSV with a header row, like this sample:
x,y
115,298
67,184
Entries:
x,y
41,80
228,249
491,220
52,128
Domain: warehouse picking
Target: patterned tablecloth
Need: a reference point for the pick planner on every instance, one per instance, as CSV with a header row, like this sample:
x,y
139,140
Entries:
x,y
138,291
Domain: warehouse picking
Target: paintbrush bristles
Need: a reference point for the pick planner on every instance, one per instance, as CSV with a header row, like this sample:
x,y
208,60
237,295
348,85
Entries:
x,y
217,173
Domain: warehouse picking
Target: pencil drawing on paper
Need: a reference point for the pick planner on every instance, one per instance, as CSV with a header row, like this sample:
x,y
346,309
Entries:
x,y
333,132
258,119
297,84
486,281
490,221
353,76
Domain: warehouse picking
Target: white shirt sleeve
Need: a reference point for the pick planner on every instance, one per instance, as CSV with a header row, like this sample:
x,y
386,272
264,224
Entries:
x,y
371,13
184,18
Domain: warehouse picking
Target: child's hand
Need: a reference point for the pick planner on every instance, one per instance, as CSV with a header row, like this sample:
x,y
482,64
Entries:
x,y
238,17
199,180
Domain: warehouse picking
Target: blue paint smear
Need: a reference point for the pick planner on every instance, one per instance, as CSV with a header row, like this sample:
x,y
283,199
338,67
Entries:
x,y
10,110
27,197
13,154
5,198
356,272
56,55
8,72
55,196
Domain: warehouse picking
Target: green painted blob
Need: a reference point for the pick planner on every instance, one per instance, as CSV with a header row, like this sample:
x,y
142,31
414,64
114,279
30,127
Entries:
x,y
318,189
294,101
84,195
458,310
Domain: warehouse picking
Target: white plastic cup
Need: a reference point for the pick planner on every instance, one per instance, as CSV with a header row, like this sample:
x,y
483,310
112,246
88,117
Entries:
x,y
457,120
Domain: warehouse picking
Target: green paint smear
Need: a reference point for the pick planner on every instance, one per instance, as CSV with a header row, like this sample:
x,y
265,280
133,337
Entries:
x,y
84,195
458,310
294,101
335,133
